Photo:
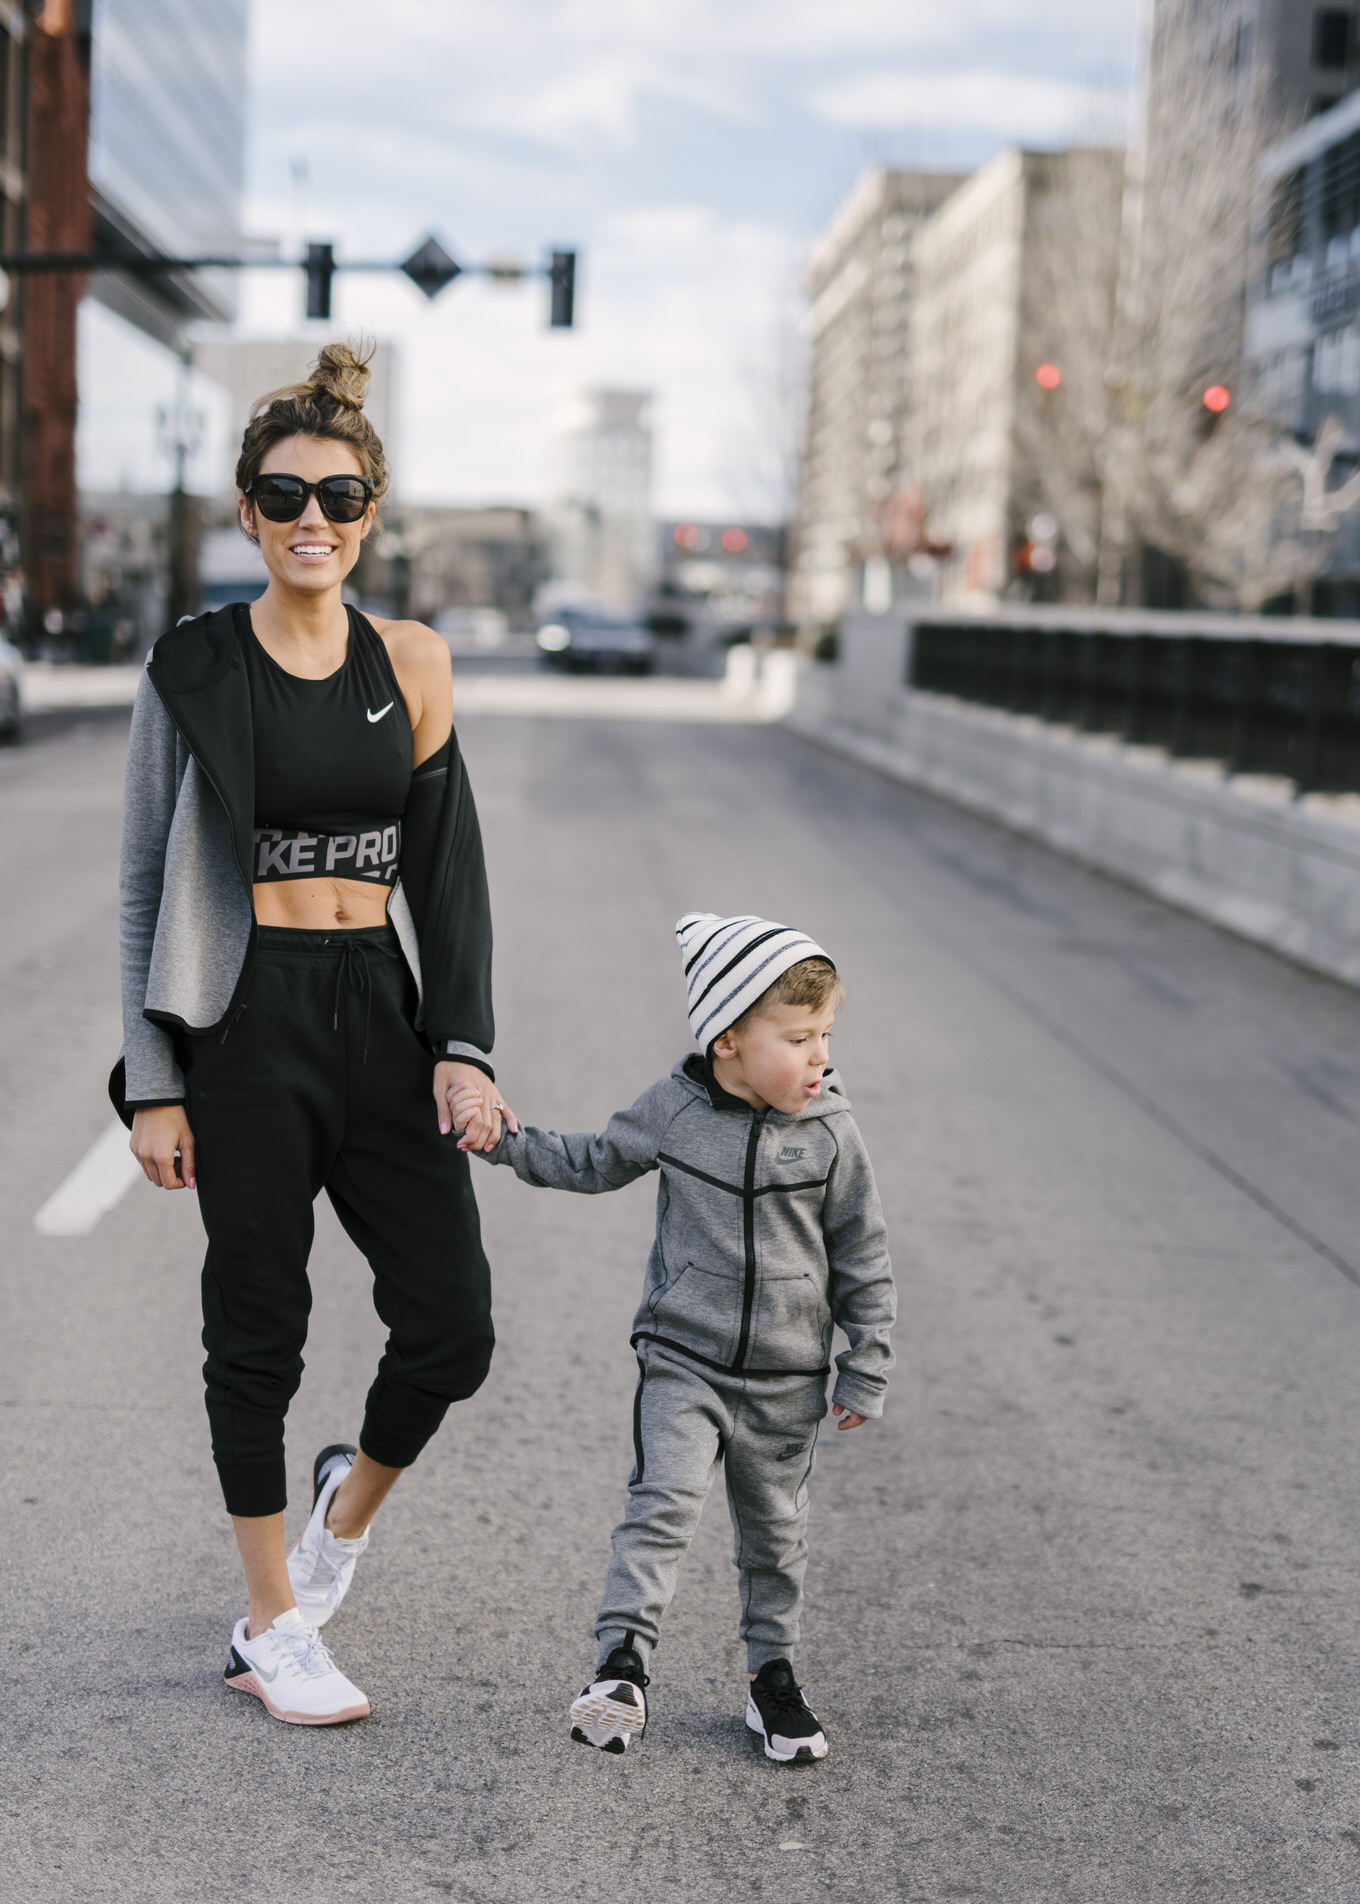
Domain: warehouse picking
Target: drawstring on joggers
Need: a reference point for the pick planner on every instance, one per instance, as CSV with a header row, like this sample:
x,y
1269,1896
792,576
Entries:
x,y
354,966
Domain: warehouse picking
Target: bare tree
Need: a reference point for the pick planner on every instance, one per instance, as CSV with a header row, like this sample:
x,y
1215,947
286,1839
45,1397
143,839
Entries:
x,y
764,447
1064,419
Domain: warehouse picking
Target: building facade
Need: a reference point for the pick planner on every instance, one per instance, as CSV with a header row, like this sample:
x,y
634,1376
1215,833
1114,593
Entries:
x,y
600,497
1010,333
167,154
1303,323
1222,84
1303,335
1310,55
861,284
13,115
472,559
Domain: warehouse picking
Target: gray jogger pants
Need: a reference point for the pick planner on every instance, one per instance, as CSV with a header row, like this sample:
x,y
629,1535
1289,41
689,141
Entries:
x,y
685,1421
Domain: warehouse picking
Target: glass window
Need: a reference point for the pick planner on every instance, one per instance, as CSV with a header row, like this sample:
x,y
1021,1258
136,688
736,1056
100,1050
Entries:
x,y
1331,38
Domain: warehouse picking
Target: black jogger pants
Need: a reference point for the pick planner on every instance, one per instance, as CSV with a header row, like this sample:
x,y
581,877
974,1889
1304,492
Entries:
x,y
322,1082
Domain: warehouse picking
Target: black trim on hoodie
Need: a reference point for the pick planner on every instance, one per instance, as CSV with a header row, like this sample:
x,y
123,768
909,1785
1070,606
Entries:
x,y
699,1067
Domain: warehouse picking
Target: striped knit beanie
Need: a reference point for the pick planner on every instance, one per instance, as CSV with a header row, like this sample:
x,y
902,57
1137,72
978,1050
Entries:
x,y
730,962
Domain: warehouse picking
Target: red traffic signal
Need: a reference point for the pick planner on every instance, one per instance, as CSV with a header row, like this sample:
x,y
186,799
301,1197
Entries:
x,y
1216,399
1048,376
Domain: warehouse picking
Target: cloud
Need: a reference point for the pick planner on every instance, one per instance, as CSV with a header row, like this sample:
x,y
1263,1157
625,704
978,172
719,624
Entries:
x,y
1011,105
596,100
705,34
568,73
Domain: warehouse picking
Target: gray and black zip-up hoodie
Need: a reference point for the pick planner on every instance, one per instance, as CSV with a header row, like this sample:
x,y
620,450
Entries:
x,y
768,1228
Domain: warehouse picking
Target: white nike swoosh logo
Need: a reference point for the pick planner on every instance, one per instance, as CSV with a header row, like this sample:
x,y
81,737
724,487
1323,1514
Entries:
x,y
381,711
260,1672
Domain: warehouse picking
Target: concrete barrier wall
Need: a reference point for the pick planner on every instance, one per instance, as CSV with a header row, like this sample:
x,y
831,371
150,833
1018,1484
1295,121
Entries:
x,y
1241,852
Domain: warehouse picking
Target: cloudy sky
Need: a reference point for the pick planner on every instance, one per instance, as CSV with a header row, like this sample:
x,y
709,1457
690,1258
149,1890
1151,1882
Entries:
x,y
690,149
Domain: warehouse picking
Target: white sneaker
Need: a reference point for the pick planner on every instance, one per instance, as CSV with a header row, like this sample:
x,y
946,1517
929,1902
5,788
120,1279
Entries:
x,y
321,1565
290,1669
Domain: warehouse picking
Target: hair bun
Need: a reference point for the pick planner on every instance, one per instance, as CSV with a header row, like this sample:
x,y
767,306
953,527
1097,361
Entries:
x,y
340,374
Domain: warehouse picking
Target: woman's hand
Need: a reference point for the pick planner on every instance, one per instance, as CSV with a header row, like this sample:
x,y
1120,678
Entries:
x,y
460,1084
158,1137
848,1417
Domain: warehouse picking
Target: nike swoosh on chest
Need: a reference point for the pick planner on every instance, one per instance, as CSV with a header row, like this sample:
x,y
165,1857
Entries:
x,y
381,711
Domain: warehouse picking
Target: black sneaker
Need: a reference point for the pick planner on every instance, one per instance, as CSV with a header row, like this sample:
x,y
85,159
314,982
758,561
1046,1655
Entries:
x,y
778,1711
612,1711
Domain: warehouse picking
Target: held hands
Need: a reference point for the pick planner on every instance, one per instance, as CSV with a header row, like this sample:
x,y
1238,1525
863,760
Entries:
x,y
161,1141
470,1103
848,1418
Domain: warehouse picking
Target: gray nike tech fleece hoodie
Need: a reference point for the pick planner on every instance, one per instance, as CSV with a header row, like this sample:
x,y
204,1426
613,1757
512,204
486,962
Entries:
x,y
768,1228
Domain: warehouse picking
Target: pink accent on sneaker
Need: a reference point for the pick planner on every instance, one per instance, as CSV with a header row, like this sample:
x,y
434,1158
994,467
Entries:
x,y
248,1682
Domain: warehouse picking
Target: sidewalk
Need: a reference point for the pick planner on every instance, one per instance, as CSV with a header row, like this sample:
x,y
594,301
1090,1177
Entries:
x,y
47,687
755,690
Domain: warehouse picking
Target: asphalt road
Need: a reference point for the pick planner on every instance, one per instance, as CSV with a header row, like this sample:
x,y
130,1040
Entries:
x,y
1082,1615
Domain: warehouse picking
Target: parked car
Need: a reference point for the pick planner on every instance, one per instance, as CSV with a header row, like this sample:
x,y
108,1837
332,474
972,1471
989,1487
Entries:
x,y
11,703
578,639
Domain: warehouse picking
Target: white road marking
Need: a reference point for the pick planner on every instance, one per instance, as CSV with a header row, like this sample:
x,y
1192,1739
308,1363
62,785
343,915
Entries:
x,y
106,1171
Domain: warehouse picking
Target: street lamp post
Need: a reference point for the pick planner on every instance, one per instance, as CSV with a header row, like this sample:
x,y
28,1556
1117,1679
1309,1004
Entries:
x,y
181,431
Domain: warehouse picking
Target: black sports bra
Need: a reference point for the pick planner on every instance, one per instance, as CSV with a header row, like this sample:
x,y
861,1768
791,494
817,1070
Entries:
x,y
332,763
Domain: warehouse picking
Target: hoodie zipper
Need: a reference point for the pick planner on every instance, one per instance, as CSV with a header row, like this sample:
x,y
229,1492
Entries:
x,y
748,1220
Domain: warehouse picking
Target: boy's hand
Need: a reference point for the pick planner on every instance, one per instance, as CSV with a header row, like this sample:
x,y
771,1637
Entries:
x,y
466,1099
848,1418
466,1111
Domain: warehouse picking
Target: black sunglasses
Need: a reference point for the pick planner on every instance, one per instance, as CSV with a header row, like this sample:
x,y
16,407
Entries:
x,y
283,498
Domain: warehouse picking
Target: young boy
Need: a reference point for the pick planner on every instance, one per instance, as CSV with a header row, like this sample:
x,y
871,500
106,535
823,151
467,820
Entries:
x,y
768,1231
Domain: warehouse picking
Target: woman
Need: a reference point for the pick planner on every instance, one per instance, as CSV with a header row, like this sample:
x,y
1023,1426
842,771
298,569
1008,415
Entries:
x,y
306,950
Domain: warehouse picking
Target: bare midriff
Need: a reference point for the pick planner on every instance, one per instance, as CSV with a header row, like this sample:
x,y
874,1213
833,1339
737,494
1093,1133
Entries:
x,y
314,905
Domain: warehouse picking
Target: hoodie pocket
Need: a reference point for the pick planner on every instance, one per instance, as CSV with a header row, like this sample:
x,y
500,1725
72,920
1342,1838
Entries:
x,y
702,1310
790,1325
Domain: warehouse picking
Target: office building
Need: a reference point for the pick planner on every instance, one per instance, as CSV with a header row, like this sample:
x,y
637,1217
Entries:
x,y
167,154
1223,83
1303,332
861,283
13,113
134,132
1015,279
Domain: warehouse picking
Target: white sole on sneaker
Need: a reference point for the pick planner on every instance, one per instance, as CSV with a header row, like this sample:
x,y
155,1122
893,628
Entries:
x,y
805,1754
607,1723
249,1682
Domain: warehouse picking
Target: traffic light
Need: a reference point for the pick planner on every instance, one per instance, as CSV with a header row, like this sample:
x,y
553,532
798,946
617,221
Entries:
x,y
320,271
562,277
